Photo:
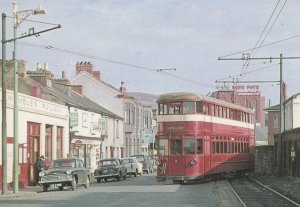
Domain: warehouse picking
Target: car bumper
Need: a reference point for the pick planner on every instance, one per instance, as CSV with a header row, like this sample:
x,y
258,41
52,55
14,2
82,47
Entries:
x,y
54,181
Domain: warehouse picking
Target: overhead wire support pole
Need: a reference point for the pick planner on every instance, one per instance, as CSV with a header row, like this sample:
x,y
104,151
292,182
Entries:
x,y
4,128
281,111
161,70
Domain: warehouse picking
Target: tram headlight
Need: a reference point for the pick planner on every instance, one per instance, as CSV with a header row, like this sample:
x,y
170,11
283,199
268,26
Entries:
x,y
193,162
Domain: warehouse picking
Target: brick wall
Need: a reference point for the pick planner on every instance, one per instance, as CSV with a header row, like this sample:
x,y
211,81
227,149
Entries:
x,y
264,160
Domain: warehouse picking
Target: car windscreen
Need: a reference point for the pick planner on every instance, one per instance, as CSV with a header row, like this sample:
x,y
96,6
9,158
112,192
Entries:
x,y
62,164
140,158
107,162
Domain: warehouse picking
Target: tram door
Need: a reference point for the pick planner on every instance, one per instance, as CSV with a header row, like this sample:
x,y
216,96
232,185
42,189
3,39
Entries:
x,y
176,160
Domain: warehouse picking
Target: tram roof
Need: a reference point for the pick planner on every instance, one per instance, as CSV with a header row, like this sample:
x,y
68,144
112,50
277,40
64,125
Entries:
x,y
184,96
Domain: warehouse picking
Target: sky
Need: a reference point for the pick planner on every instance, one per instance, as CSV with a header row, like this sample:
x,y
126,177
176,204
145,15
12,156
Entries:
x,y
129,40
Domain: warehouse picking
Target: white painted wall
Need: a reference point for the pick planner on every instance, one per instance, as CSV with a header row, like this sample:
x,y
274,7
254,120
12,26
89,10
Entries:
x,y
35,110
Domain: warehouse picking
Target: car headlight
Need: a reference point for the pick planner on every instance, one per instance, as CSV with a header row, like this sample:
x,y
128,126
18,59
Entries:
x,y
41,174
69,172
193,162
69,176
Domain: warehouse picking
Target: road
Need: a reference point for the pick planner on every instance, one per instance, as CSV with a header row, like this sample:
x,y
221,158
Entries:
x,y
135,191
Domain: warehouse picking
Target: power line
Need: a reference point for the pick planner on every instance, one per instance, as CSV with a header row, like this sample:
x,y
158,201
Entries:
x,y
271,43
240,74
49,47
265,26
271,26
28,20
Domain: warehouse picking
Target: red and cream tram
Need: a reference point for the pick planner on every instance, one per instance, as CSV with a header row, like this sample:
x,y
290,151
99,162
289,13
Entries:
x,y
200,137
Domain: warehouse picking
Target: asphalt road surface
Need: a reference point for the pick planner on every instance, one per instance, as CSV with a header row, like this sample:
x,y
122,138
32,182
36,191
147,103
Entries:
x,y
135,191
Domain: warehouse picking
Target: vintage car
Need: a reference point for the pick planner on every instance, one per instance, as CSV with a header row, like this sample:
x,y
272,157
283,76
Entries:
x,y
133,167
110,168
147,162
65,172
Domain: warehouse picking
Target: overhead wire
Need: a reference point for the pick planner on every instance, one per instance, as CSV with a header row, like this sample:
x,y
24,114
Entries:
x,y
50,47
256,48
271,26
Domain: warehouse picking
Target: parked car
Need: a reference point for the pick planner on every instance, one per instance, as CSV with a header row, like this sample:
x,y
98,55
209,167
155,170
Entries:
x,y
110,168
147,162
133,167
65,172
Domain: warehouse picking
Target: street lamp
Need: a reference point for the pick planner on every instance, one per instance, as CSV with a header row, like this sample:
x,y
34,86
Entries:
x,y
19,17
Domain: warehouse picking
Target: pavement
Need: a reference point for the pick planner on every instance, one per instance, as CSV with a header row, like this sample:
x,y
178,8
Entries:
x,y
29,190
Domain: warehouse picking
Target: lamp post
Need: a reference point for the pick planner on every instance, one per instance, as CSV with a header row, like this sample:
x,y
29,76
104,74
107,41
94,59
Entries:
x,y
19,17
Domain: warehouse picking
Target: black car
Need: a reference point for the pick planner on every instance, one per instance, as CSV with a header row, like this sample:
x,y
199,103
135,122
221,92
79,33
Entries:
x,y
65,172
147,162
110,168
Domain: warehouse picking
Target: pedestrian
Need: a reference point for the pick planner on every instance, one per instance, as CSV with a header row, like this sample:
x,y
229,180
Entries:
x,y
40,166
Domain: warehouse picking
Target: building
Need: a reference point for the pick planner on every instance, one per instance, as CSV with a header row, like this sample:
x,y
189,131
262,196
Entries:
x,y
107,97
138,124
43,122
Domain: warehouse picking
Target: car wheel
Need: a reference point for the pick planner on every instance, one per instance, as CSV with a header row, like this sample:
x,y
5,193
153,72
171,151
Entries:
x,y
73,184
98,180
61,187
45,188
87,182
119,177
136,172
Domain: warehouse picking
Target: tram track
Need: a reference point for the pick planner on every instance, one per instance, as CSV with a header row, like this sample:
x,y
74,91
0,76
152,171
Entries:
x,y
251,192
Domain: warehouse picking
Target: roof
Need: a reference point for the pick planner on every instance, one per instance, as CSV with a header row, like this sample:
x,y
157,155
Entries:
x,y
181,96
273,108
81,102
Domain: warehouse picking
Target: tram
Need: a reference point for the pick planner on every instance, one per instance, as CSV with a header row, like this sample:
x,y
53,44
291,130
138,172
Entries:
x,y
200,137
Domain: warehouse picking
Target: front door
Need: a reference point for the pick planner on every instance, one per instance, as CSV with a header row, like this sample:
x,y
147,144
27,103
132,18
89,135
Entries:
x,y
33,140
175,161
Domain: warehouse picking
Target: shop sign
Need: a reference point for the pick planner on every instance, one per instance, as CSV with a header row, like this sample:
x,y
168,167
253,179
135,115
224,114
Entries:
x,y
73,119
78,143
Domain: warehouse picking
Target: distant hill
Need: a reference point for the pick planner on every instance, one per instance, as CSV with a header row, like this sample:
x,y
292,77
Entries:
x,y
145,97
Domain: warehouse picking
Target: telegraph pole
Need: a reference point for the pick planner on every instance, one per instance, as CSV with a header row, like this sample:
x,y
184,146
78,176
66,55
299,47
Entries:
x,y
281,127
4,133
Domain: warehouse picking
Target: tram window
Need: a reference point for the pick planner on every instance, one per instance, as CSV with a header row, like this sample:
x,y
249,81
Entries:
x,y
212,109
162,109
214,147
217,147
176,146
200,146
189,146
225,147
199,105
188,108
163,147
175,108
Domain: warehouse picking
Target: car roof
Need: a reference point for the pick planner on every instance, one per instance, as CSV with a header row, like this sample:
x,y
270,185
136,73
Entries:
x,y
128,158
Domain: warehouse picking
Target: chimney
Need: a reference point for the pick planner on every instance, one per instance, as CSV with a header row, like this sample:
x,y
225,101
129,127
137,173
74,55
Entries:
x,y
63,75
97,74
45,66
78,89
38,66
123,88
284,90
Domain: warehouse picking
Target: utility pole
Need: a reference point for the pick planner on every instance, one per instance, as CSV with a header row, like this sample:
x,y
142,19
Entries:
x,y
281,125
4,132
